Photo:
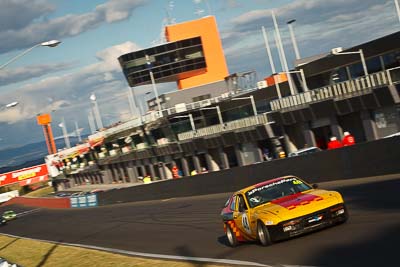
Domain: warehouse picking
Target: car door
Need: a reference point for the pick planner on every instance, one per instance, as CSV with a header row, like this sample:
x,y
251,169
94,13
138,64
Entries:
x,y
241,215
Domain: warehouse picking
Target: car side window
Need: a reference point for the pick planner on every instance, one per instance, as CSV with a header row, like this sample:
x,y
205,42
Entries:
x,y
242,204
227,202
233,204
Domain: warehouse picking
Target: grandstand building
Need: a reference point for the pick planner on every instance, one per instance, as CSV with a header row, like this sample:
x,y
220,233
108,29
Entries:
x,y
215,121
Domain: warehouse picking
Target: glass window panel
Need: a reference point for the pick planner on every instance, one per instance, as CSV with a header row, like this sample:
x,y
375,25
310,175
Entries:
x,y
374,65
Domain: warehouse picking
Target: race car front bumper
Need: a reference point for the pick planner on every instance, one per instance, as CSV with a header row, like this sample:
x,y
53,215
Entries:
x,y
308,223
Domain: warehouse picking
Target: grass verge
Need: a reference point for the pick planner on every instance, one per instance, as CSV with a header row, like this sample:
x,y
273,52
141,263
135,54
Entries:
x,y
27,253
42,192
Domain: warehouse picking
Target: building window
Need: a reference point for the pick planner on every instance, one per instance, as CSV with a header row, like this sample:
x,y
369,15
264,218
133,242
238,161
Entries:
x,y
201,97
392,60
374,65
339,75
356,70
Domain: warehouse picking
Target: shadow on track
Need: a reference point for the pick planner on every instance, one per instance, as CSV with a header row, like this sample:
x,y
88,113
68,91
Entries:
x,y
378,251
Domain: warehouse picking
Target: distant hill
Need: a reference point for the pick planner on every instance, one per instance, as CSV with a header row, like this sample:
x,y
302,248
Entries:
x,y
28,155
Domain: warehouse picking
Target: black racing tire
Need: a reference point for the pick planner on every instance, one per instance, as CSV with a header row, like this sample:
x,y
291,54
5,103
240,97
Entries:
x,y
230,235
263,234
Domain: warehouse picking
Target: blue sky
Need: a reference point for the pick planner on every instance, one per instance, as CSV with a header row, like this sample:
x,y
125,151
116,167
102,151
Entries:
x,y
95,33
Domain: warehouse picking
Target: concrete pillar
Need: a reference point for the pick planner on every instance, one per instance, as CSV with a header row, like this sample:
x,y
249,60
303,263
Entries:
x,y
259,153
289,146
81,180
61,187
309,136
161,170
143,169
100,177
211,164
239,155
196,163
132,172
336,129
122,172
152,172
91,178
185,166
223,158
369,125
107,176
114,175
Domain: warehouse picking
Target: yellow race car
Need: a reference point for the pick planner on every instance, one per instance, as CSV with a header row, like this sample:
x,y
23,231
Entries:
x,y
279,209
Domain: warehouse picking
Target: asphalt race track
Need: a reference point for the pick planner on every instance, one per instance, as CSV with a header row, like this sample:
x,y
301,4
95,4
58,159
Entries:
x,y
192,227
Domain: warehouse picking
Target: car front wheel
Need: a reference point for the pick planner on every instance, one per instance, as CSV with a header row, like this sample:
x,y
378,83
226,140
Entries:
x,y
231,236
263,234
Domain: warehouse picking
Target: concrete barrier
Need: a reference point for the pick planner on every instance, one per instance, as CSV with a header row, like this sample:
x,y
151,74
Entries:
x,y
56,203
374,158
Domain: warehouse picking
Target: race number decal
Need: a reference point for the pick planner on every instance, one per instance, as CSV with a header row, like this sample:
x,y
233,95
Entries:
x,y
245,223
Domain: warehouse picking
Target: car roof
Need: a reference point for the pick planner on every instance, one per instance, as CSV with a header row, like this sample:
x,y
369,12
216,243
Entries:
x,y
244,190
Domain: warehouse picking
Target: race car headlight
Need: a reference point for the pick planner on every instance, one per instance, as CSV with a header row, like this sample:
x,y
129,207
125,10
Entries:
x,y
291,225
337,211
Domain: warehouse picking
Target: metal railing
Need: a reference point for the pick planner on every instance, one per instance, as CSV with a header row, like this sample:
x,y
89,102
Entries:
x,y
150,117
228,126
340,90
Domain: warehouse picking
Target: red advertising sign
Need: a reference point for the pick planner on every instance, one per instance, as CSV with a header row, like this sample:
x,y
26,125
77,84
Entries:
x,y
32,173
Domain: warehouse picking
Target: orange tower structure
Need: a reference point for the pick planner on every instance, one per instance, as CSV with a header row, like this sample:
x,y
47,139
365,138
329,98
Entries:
x,y
207,29
45,120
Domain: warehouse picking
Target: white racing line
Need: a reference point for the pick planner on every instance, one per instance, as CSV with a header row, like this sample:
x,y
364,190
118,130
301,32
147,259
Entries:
x,y
162,256
21,214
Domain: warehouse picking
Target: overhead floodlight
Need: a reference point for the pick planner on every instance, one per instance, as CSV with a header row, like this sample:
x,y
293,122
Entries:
x,y
12,104
51,43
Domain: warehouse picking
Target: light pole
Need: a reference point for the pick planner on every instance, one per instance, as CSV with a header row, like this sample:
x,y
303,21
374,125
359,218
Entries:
x,y
96,111
303,77
91,122
360,51
65,133
153,83
282,52
51,43
218,111
145,101
271,61
78,134
292,36
253,104
396,2
190,116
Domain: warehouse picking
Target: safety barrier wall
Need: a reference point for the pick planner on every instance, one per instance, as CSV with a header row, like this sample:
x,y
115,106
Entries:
x,y
56,203
374,158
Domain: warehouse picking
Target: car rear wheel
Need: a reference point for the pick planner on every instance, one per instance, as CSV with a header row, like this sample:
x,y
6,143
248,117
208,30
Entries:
x,y
231,236
263,234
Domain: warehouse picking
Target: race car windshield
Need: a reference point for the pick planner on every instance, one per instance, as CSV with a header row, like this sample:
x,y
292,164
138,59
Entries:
x,y
275,190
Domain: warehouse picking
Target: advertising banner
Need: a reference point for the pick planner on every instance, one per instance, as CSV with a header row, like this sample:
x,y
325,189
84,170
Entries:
x,y
84,201
34,180
35,174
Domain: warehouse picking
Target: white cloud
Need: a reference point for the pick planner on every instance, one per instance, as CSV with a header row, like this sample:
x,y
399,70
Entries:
x,y
70,92
17,14
14,75
37,28
320,26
